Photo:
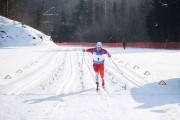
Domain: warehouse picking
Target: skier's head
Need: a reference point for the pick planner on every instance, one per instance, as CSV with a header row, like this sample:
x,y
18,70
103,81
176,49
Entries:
x,y
99,44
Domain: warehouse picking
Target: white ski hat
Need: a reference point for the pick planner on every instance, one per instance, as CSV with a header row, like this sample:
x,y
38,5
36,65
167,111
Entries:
x,y
99,44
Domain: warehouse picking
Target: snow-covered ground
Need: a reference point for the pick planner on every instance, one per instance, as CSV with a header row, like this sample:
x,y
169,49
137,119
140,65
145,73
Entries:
x,y
13,33
49,82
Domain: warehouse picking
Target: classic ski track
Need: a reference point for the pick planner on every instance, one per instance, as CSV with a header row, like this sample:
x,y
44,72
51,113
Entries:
x,y
65,86
129,76
72,74
68,78
15,91
52,111
38,76
51,81
19,80
18,83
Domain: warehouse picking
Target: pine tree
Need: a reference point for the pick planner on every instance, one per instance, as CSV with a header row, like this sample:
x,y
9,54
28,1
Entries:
x,y
83,14
63,28
115,10
4,7
1,7
163,21
122,8
83,18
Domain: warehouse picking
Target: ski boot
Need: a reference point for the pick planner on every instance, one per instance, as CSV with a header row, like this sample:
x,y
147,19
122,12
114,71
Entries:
x,y
97,86
103,84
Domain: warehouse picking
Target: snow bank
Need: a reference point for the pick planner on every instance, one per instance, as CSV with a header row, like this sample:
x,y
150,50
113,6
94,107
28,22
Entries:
x,y
13,33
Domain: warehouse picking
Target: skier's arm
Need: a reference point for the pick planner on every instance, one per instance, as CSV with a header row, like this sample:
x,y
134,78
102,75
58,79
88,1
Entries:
x,y
88,50
108,54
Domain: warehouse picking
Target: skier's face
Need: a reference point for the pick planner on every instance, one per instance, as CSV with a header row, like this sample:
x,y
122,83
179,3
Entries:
x,y
98,48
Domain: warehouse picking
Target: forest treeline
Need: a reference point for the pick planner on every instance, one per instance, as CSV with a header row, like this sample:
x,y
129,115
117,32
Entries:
x,y
99,20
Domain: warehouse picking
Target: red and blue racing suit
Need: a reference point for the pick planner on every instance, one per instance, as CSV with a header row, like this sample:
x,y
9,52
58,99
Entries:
x,y
98,60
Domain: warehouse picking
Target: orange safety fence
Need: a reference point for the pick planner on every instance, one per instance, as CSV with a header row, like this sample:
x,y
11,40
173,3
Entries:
x,y
173,45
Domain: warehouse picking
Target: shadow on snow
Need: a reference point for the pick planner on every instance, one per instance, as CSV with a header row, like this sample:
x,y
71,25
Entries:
x,y
55,97
158,95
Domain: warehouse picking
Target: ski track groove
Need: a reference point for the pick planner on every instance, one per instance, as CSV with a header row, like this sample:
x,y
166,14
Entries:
x,y
54,110
51,113
65,86
129,76
19,80
72,74
37,76
68,77
15,91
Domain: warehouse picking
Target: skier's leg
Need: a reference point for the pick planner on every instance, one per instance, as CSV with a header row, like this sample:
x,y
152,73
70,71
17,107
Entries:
x,y
101,71
103,83
96,75
97,82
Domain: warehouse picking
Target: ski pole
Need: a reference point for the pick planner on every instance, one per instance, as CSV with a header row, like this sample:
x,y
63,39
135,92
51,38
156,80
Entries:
x,y
116,66
125,84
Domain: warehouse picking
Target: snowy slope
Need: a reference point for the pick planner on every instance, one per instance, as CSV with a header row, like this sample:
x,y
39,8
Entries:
x,y
46,82
13,33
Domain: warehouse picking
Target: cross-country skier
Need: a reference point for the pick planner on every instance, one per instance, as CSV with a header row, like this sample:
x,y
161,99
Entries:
x,y
98,61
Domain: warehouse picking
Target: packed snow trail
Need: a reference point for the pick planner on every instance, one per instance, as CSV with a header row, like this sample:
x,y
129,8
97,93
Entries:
x,y
61,86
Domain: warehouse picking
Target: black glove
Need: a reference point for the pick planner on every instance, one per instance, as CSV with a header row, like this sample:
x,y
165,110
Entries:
x,y
109,55
83,50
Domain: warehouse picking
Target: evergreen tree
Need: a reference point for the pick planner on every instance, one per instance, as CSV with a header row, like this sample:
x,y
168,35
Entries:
x,y
122,6
62,31
163,21
1,7
4,7
83,14
82,18
115,10
13,8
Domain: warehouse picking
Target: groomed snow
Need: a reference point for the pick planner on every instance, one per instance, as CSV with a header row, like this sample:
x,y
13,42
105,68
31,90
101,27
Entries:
x,y
49,82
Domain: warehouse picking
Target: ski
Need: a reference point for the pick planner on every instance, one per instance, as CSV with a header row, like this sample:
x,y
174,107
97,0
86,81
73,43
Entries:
x,y
102,90
97,90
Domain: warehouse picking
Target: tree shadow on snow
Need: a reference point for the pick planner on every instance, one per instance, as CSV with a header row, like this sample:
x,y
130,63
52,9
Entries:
x,y
55,97
154,95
